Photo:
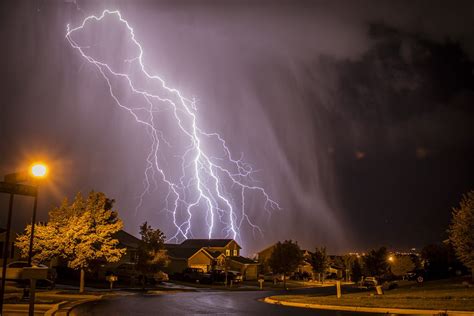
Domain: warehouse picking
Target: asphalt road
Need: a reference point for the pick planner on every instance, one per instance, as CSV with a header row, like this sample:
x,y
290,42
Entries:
x,y
201,303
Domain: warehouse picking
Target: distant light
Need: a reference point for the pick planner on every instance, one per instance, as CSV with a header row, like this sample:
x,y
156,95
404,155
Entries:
x,y
422,153
39,170
359,155
391,258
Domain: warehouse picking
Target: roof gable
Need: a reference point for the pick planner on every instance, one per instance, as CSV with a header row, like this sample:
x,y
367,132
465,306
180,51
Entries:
x,y
203,243
182,253
126,239
207,254
268,248
214,254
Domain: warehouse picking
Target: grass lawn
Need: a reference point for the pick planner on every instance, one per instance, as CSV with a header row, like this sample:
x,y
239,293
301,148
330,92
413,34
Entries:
x,y
250,285
446,294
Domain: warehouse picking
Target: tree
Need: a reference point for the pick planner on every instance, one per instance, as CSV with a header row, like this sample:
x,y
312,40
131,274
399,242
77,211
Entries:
x,y
356,270
348,263
285,258
461,231
440,260
401,265
80,232
320,262
152,254
375,262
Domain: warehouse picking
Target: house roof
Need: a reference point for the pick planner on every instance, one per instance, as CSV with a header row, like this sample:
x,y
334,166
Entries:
x,y
127,239
243,260
169,246
268,248
203,243
182,253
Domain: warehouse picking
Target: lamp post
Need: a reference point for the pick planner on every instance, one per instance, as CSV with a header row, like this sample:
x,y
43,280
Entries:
x,y
12,186
37,171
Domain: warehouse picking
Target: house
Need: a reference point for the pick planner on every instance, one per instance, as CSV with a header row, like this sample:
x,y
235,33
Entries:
x,y
130,243
228,247
263,256
305,267
210,255
247,267
127,241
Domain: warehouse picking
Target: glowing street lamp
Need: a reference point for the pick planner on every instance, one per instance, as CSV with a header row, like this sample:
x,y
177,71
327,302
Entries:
x,y
39,170
391,259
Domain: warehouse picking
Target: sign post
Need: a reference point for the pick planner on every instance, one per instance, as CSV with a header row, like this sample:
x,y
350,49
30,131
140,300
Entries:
x,y
33,273
6,252
338,287
111,278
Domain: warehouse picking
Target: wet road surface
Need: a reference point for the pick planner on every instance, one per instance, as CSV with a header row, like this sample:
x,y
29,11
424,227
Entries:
x,y
203,302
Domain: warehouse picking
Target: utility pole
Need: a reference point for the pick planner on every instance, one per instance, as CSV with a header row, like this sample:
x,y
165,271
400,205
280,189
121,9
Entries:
x,y
6,252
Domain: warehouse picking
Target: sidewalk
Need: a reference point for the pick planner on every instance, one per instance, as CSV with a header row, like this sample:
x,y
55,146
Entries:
x,y
59,302
65,297
381,310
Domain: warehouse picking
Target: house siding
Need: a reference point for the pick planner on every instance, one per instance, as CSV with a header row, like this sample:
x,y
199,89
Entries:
x,y
176,266
200,260
251,273
231,247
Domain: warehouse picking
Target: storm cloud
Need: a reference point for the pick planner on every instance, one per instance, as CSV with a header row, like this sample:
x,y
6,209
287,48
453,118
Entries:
x,y
356,114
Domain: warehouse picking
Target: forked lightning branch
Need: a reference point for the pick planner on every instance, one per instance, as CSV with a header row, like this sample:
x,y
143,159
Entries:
x,y
211,185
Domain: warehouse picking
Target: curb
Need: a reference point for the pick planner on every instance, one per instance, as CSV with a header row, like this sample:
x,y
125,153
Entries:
x,y
65,307
382,310
54,308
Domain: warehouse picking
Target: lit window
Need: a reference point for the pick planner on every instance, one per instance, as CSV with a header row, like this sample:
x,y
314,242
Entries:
x,y
227,252
235,253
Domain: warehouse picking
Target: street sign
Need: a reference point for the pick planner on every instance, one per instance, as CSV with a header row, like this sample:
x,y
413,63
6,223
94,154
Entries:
x,y
17,177
37,273
20,189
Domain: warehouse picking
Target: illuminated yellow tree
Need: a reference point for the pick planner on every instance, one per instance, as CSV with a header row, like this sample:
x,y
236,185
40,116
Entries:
x,y
461,231
80,232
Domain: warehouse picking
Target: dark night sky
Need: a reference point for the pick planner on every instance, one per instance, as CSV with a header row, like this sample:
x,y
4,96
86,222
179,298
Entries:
x,y
357,114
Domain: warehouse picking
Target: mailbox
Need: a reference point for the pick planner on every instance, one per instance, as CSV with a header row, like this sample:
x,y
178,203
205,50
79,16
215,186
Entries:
x,y
35,273
111,278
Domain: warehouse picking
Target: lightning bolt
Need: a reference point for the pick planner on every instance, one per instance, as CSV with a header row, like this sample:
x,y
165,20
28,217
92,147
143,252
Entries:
x,y
207,182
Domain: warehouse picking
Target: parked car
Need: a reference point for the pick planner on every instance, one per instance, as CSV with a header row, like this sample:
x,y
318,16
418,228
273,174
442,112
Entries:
x,y
418,275
235,276
300,276
370,281
219,276
15,273
128,273
160,276
273,277
196,275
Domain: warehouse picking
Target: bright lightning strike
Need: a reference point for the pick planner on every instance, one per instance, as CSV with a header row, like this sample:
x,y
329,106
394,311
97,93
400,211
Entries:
x,y
207,182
